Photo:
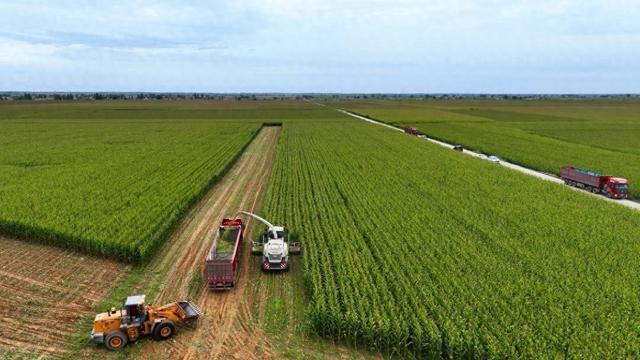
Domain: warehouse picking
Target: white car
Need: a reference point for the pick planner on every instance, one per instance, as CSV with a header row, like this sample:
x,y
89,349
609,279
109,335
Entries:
x,y
494,159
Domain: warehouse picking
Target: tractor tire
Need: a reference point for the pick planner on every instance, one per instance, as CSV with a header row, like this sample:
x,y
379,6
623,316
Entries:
x,y
116,340
164,330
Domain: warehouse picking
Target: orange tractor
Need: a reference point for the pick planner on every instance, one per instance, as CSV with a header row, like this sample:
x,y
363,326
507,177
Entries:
x,y
116,328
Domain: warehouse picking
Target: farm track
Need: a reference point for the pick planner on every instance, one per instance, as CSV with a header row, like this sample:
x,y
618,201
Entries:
x,y
45,291
531,172
227,329
222,325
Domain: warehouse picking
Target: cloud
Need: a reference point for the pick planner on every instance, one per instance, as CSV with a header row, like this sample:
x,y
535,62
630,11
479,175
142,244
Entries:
x,y
318,45
19,53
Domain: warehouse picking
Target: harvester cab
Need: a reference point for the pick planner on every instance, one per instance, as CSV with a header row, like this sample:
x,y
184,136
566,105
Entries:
x,y
275,245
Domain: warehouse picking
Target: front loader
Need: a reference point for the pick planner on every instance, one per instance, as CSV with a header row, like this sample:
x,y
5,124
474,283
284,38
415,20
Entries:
x,y
116,328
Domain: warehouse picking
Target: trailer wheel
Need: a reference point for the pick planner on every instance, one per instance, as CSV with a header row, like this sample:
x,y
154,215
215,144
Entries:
x,y
164,330
115,340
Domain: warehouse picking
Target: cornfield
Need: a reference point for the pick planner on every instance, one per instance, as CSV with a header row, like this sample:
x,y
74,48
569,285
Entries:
x,y
113,188
419,251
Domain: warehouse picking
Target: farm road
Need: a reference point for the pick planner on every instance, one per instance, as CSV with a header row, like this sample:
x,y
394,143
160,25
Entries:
x,y
226,329
540,175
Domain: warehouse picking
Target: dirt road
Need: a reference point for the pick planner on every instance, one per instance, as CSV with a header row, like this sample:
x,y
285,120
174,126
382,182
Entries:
x,y
176,271
222,324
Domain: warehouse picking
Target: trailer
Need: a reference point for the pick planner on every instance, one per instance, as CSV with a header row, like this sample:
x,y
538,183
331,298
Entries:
x,y
613,187
223,258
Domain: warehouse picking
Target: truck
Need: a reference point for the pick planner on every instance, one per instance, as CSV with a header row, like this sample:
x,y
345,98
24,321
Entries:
x,y
411,130
223,258
612,187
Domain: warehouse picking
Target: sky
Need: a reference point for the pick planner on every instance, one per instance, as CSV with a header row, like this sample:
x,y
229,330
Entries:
x,y
347,46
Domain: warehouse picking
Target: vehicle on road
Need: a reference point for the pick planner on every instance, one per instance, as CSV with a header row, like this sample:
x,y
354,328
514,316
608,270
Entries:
x,y
223,257
116,328
411,130
458,148
494,159
274,246
613,187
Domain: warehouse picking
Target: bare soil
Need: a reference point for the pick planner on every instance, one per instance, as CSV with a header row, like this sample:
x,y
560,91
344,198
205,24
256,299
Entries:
x,y
44,291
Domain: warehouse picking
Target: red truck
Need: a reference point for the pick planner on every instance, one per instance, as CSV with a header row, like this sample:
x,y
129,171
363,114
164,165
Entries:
x,y
613,187
222,259
411,130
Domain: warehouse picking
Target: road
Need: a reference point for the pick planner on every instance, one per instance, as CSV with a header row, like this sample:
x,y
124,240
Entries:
x,y
540,175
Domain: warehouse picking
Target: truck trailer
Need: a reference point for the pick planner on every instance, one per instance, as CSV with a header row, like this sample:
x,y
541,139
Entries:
x,y
613,187
223,258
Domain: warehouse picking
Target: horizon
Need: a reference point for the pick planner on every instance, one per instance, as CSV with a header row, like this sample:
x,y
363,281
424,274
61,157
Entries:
x,y
322,47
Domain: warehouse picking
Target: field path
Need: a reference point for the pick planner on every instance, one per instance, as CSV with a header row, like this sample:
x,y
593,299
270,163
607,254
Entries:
x,y
540,175
177,269
221,324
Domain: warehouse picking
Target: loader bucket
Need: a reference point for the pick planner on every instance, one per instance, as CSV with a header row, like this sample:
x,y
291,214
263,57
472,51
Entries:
x,y
191,310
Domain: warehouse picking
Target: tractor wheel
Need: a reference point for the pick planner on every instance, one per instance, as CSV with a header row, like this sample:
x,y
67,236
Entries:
x,y
164,330
115,340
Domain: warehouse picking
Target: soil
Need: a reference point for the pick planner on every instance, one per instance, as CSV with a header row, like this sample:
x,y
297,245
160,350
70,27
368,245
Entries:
x,y
45,291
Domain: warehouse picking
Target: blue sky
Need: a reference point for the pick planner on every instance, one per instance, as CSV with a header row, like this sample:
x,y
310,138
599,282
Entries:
x,y
491,46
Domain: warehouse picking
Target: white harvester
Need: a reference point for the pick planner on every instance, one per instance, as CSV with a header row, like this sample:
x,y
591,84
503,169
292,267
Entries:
x,y
274,246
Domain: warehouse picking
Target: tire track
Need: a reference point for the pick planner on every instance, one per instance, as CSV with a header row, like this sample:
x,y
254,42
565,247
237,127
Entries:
x,y
243,186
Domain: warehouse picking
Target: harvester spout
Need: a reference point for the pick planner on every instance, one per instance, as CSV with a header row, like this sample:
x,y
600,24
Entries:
x,y
269,225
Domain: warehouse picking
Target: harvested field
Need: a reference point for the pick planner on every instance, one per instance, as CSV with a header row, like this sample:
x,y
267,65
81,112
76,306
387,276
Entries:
x,y
45,291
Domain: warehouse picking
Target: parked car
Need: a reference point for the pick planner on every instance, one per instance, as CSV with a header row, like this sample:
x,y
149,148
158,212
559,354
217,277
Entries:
x,y
458,148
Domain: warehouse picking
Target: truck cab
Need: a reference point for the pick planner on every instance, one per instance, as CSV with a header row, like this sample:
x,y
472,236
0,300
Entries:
x,y
617,188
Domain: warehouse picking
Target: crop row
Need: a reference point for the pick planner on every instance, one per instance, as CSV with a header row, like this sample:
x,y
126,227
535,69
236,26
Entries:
x,y
114,188
415,250
606,142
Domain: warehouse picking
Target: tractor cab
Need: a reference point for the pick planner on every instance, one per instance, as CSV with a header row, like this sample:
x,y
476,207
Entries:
x,y
135,312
